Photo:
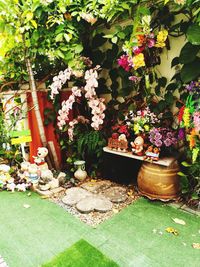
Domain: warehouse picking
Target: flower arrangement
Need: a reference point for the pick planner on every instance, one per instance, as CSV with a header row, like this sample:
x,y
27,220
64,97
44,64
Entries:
x,y
142,47
189,119
163,137
142,121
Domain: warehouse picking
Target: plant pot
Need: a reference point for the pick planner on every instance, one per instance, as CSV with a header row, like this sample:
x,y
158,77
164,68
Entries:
x,y
159,182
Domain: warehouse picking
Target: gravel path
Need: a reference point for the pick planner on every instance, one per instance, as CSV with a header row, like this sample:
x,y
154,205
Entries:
x,y
94,218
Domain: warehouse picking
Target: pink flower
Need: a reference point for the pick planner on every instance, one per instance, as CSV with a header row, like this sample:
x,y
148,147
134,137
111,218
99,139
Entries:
x,y
135,79
124,62
137,50
76,91
197,121
151,42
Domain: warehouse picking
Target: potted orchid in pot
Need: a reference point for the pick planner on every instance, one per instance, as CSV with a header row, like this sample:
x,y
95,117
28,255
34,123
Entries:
x,y
82,136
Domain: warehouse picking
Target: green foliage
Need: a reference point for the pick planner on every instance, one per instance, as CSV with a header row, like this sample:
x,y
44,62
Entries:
x,y
193,35
87,145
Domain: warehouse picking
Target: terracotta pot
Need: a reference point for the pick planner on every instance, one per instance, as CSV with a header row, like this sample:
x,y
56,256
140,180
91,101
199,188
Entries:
x,y
159,182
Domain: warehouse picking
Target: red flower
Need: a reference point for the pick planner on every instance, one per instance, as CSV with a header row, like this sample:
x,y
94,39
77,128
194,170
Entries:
x,y
180,115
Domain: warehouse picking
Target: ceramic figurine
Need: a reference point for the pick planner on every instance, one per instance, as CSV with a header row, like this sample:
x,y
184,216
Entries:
x,y
33,173
122,143
152,153
42,152
47,181
138,146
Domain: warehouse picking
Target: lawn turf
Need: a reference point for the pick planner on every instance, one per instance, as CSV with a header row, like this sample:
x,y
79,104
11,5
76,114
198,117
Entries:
x,y
79,255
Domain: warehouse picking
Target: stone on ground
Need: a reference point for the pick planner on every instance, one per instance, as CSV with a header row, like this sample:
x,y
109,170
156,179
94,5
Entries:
x,y
74,195
116,194
94,203
96,186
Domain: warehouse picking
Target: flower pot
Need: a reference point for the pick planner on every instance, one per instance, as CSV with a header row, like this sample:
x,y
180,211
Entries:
x,y
159,182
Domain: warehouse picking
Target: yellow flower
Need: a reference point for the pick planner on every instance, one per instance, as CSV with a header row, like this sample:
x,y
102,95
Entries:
x,y
138,61
186,117
161,38
146,127
136,128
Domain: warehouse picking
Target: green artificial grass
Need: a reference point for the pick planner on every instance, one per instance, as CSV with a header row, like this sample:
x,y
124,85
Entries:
x,y
134,237
81,254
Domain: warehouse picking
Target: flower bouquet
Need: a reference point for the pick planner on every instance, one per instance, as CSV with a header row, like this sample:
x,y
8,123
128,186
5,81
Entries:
x,y
163,139
141,122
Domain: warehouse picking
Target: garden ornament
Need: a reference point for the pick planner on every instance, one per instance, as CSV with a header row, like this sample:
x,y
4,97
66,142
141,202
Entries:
x,y
33,173
47,181
152,153
21,187
40,158
137,146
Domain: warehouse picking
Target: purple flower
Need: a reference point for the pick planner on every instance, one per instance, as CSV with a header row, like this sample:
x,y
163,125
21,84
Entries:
x,y
158,136
181,134
167,142
158,143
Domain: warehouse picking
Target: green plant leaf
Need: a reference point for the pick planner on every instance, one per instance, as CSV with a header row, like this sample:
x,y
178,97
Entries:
x,y
185,164
190,71
114,40
193,34
188,53
175,61
181,174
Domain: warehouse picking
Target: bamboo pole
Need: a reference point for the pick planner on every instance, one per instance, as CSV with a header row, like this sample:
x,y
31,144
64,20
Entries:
x,y
35,102
36,107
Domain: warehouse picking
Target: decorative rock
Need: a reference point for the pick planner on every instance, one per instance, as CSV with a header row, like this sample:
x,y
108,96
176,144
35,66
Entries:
x,y
61,178
116,194
54,183
46,193
44,187
57,190
74,195
96,186
94,203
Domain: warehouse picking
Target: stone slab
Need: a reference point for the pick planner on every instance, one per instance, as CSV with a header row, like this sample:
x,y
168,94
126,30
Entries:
x,y
116,194
94,203
74,195
96,186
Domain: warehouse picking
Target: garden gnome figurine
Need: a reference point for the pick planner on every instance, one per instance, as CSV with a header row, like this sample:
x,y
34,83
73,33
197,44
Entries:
x,y
137,146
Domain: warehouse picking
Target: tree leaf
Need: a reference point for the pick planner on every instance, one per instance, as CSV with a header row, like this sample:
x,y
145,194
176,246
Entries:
x,y
179,221
34,23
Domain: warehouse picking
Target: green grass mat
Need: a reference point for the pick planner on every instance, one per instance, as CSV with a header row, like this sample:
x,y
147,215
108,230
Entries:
x,y
81,254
